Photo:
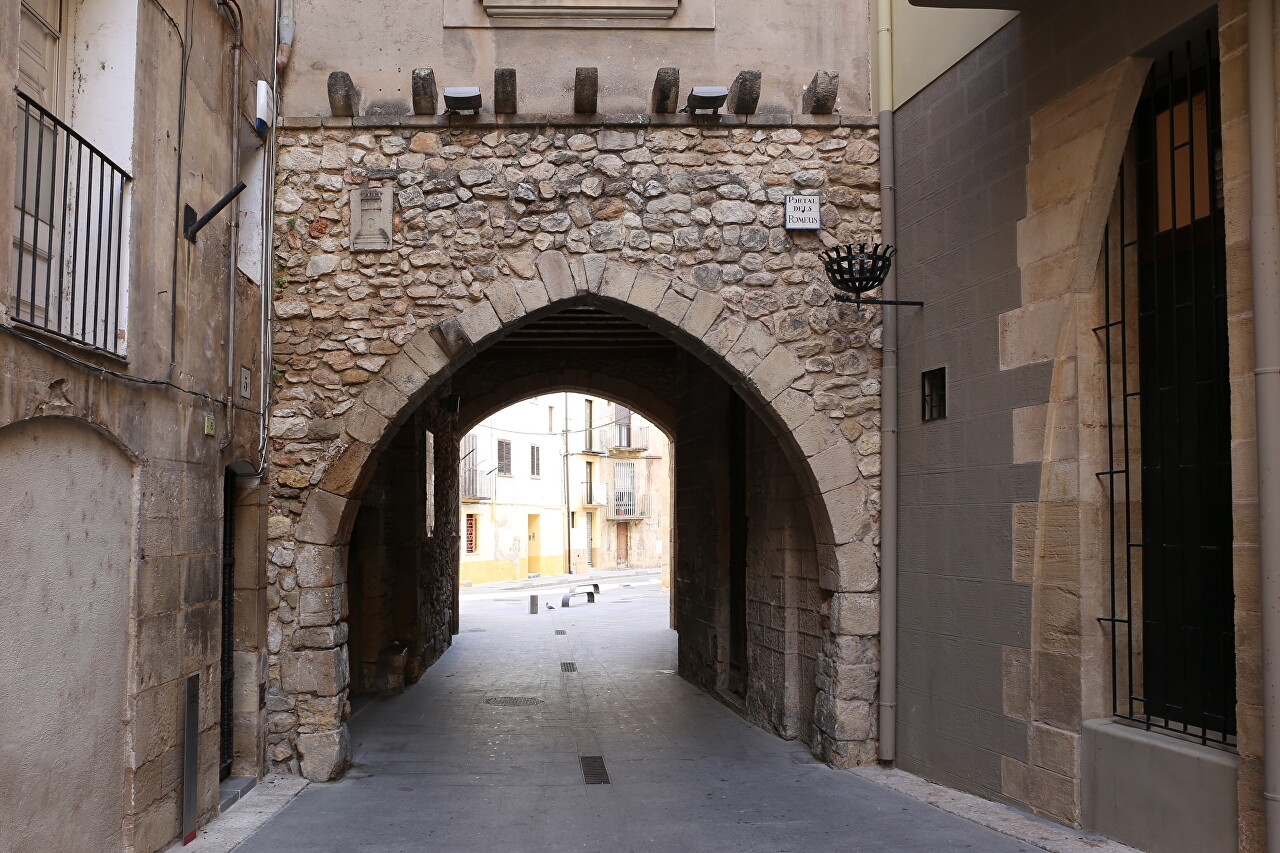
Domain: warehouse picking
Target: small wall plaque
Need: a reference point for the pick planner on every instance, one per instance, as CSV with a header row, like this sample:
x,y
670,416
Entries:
x,y
804,212
373,220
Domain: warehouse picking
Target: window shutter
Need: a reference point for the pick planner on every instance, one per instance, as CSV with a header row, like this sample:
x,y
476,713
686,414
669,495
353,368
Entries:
x,y
535,461
504,457
39,51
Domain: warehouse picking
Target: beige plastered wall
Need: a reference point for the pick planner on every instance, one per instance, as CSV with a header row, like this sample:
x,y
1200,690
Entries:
x,y
171,570
926,42
381,44
1060,544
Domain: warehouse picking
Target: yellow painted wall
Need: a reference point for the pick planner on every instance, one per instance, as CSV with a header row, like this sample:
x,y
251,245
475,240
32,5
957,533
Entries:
x,y
926,42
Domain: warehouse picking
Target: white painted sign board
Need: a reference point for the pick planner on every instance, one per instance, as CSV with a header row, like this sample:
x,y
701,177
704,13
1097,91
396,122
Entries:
x,y
804,212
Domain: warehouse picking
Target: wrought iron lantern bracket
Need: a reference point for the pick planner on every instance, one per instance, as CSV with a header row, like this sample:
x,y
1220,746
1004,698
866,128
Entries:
x,y
855,270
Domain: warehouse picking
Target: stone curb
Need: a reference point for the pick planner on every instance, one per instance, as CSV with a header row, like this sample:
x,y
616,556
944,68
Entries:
x,y
1006,820
560,581
228,831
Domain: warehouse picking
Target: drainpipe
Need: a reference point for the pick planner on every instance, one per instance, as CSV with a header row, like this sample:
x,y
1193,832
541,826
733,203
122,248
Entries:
x,y
1265,269
233,9
888,402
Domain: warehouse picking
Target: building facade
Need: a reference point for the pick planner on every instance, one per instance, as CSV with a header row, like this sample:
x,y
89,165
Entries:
x,y
132,435
513,498
1079,435
517,513
1016,540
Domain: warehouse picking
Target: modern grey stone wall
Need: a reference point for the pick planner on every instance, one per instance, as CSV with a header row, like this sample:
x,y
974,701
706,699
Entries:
x,y
983,707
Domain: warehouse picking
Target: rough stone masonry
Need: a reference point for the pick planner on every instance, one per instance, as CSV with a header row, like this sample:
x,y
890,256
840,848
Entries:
x,y
483,217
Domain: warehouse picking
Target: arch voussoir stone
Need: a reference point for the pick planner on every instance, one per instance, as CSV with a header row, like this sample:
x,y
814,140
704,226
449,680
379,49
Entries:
x,y
505,301
617,281
533,295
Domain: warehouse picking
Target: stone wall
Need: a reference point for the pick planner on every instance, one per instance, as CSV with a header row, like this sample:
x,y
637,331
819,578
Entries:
x,y
1004,249
678,226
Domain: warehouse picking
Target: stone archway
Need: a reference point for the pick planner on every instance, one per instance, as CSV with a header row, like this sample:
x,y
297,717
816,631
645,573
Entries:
x,y
312,531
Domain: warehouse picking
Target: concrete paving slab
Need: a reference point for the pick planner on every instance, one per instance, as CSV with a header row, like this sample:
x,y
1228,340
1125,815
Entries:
x,y
438,768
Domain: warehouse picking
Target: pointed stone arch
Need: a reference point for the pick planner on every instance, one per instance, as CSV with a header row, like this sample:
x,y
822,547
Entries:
x,y
751,360
746,354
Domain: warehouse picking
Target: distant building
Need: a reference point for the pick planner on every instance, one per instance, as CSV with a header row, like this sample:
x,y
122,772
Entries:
x,y
514,501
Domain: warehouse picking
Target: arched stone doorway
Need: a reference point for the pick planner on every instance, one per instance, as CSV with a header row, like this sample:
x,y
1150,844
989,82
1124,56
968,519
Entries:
x,y
730,370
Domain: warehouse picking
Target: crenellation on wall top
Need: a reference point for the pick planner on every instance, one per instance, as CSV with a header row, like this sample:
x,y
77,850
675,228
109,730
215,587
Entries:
x,y
595,120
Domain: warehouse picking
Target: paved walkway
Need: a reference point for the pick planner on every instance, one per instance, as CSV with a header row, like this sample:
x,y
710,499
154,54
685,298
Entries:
x,y
439,768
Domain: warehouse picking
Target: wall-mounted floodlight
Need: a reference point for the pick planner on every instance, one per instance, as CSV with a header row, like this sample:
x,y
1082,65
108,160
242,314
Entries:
x,y
460,98
706,98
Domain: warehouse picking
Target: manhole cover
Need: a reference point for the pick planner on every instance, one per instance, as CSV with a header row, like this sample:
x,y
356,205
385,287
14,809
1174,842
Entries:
x,y
513,701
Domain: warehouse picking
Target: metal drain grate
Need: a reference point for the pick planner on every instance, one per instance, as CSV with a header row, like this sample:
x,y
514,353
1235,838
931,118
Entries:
x,y
473,630
593,770
513,701
560,632
567,666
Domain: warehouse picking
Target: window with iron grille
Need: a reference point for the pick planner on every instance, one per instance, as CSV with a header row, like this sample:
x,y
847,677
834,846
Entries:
x,y
1164,342
473,531
535,461
504,457
933,394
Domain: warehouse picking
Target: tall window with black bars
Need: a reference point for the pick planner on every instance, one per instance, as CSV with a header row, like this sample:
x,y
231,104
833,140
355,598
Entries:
x,y
1163,339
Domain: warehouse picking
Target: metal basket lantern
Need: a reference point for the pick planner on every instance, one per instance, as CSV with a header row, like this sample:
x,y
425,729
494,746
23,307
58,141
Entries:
x,y
855,270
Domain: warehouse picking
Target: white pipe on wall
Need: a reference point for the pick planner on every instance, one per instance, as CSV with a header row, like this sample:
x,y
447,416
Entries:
x,y
1265,269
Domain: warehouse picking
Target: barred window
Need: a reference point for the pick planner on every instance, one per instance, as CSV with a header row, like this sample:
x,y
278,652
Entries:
x,y
1164,346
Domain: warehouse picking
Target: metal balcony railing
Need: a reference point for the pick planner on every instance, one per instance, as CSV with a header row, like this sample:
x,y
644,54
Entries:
x,y
595,494
628,437
68,233
475,485
628,504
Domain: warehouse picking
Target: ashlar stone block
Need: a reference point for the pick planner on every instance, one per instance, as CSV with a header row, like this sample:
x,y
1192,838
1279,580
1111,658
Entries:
x,y
324,521
320,566
319,671
776,372
325,755
855,613
852,567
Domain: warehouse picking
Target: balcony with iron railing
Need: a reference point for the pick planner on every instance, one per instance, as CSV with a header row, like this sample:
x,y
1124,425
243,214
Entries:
x,y
626,438
629,504
476,485
68,233
595,494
